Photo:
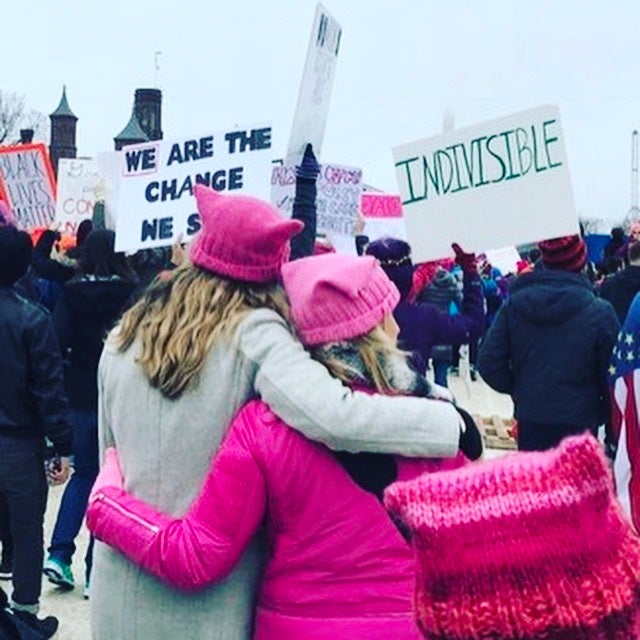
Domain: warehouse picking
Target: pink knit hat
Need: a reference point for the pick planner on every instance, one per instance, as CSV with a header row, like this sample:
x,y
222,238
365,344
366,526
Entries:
x,y
241,237
532,545
335,297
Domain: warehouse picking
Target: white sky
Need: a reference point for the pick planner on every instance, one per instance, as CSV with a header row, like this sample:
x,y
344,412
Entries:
x,y
402,63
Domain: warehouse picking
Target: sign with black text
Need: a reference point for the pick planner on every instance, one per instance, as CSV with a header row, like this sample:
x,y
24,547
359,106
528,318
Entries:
x,y
149,186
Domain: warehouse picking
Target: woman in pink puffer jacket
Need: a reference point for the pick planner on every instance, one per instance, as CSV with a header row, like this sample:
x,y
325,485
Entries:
x,y
337,567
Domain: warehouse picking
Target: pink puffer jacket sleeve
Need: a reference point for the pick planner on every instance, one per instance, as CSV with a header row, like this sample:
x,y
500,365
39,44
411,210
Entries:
x,y
203,546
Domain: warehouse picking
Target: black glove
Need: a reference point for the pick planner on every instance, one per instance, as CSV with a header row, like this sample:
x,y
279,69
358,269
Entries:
x,y
470,442
309,169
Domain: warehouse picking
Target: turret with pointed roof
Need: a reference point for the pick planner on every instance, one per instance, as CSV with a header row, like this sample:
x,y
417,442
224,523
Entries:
x,y
131,134
63,132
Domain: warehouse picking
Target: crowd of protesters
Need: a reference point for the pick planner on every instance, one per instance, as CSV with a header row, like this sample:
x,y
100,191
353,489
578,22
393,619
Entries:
x,y
260,434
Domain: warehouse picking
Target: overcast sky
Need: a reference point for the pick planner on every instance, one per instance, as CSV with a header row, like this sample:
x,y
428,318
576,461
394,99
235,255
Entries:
x,y
402,63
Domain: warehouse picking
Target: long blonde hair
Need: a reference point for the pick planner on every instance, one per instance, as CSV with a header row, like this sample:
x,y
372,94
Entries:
x,y
375,350
179,319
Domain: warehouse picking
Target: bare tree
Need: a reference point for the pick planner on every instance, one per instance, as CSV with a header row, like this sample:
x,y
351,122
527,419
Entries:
x,y
14,116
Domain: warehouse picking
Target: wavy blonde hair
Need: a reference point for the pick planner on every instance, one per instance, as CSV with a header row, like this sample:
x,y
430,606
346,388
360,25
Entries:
x,y
179,319
374,349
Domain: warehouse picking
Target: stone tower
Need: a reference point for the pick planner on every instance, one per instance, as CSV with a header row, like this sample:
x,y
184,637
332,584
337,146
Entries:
x,y
131,134
63,132
148,109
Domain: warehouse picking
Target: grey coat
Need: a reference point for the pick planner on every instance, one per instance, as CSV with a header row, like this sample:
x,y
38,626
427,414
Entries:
x,y
166,449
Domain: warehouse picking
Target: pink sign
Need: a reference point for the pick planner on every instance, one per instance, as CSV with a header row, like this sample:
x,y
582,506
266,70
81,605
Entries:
x,y
381,205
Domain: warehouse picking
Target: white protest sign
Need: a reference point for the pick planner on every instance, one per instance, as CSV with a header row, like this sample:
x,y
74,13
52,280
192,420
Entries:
x,y
315,88
78,180
382,214
499,183
28,185
149,186
505,259
338,196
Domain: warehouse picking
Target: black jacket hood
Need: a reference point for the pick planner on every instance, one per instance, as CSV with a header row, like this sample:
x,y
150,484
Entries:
x,y
93,296
550,297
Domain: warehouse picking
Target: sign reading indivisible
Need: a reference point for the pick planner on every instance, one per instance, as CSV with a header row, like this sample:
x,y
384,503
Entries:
x,y
149,186
382,213
496,184
28,185
338,196
78,180
315,88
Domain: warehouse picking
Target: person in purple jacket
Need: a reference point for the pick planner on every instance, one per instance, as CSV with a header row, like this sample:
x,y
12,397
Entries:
x,y
422,325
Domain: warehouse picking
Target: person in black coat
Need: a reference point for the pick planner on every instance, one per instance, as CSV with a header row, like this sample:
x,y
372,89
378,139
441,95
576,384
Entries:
x,y
33,406
621,288
89,307
549,348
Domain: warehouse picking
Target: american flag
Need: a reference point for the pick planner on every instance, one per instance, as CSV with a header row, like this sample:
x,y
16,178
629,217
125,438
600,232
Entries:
x,y
624,375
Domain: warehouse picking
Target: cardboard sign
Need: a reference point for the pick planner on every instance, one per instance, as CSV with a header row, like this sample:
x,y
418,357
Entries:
x,y
28,185
501,183
338,196
149,186
315,89
382,214
78,180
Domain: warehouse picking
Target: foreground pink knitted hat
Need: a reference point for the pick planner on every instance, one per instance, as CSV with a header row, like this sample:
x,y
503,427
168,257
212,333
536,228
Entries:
x,y
241,237
530,546
335,297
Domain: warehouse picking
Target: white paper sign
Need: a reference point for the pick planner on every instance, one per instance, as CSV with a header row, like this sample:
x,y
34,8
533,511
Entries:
x,y
382,214
337,201
78,180
317,82
505,259
149,186
499,183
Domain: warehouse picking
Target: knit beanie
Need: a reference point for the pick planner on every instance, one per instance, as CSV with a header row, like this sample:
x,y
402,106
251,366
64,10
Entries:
x,y
394,256
530,546
241,237
568,253
335,297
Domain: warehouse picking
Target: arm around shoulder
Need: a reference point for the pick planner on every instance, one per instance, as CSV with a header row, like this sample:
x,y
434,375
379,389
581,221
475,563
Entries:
x,y
304,395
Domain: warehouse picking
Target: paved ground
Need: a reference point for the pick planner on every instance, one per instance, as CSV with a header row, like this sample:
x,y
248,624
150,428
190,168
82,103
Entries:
x,y
73,611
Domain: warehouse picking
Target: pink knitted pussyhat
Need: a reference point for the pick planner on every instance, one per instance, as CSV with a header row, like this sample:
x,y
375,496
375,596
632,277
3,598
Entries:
x,y
530,546
241,237
335,297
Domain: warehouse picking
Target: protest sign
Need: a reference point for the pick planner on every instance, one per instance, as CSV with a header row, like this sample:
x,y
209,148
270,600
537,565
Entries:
x,y
78,180
338,196
500,183
28,185
314,97
382,214
149,186
505,259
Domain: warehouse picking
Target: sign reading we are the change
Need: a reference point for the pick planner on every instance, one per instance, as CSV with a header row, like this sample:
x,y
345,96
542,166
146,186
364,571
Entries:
x,y
315,88
149,186
28,185
500,183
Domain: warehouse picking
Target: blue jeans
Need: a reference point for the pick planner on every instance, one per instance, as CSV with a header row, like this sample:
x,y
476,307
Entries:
x,y
440,370
24,487
76,494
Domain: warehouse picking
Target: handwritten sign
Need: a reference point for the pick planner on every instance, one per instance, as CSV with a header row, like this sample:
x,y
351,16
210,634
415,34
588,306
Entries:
x,y
27,183
315,89
500,183
338,196
382,214
78,180
149,186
